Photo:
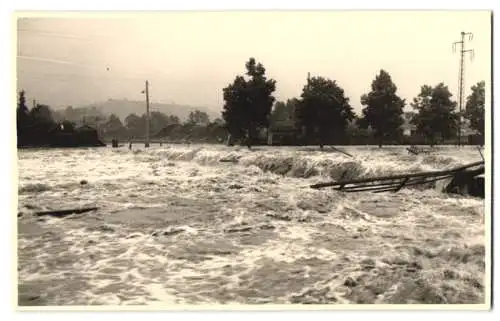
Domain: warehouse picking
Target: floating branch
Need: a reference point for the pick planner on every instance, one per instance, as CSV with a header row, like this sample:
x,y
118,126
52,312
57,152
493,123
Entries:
x,y
341,151
62,213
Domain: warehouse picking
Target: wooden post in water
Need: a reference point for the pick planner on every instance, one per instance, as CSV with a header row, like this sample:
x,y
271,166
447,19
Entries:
x,y
147,114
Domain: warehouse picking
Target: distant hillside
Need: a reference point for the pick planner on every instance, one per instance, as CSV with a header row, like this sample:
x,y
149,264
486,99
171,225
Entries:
x,y
123,108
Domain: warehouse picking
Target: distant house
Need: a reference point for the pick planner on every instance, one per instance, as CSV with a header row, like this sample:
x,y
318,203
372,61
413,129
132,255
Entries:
x,y
282,132
408,128
86,135
470,135
55,135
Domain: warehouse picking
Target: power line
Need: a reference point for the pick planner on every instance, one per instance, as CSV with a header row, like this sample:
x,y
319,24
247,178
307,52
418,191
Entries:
x,y
72,74
52,34
42,59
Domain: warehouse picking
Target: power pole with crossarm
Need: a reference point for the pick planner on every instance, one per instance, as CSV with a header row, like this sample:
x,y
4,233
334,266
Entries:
x,y
463,51
146,91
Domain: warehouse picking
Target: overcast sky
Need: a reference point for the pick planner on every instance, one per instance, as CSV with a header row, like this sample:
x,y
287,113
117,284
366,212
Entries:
x,y
189,57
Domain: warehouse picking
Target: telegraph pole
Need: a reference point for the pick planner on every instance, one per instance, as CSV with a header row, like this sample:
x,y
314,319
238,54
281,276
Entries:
x,y
463,51
147,114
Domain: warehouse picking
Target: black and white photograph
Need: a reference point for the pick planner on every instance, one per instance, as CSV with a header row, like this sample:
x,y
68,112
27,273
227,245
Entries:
x,y
253,158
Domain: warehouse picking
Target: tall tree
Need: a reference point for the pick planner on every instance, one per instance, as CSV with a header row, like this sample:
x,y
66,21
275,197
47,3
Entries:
x,y
41,114
198,117
474,107
291,109
172,119
70,113
235,107
22,111
113,123
21,104
384,109
114,128
436,117
248,103
284,111
136,125
158,121
324,110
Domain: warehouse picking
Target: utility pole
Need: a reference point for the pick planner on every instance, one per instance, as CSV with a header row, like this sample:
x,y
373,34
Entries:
x,y
34,103
463,51
147,114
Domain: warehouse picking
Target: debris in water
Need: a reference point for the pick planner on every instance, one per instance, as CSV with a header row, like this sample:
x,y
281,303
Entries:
x,y
267,227
234,159
395,182
169,231
415,150
133,235
350,282
238,229
62,213
341,151
280,217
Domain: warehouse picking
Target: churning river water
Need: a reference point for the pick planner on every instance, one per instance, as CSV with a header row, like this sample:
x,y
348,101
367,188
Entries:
x,y
176,225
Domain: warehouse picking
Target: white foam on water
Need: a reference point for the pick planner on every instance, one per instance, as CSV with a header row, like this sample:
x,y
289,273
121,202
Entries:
x,y
297,232
267,186
161,295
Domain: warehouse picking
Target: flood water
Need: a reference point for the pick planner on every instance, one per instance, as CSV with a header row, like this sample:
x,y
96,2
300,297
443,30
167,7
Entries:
x,y
176,225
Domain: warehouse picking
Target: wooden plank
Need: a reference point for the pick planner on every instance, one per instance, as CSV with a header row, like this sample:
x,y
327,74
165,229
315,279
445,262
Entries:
x,y
372,184
395,177
402,184
394,186
418,183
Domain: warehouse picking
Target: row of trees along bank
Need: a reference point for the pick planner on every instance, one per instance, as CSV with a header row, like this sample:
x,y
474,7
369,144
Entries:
x,y
197,128
323,114
43,126
37,128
